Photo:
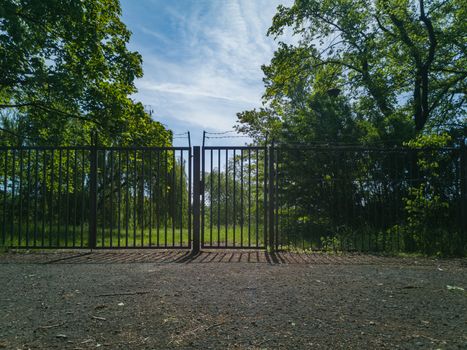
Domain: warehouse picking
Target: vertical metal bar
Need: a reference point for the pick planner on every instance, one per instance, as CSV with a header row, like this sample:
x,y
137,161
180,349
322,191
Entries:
x,y
390,187
51,197
111,196
44,195
367,193
28,199
174,192
181,196
119,198
350,213
196,199
271,204
67,197
372,209
166,195
241,198
463,193
93,195
135,192
278,203
257,200
249,197
265,196
190,184
150,197
36,195
226,197
59,200
20,197
13,184
5,194
375,203
203,192
159,196
382,156
142,198
103,199
211,195
338,190
218,197
454,157
234,196
75,195
83,196
127,199
398,182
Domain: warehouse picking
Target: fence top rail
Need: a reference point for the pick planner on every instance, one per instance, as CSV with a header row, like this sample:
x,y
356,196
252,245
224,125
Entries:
x,y
99,148
234,147
275,147
362,148
142,148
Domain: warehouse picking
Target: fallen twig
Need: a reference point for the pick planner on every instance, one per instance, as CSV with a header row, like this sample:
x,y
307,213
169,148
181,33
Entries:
x,y
124,293
99,318
50,326
214,325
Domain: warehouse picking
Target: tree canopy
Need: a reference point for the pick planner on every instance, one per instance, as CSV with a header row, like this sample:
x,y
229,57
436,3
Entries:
x,y
398,65
66,70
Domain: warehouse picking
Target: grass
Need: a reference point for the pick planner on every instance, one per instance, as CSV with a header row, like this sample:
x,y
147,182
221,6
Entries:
x,y
366,240
78,237
228,237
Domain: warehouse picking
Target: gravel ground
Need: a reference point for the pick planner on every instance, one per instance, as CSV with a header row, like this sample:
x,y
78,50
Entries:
x,y
223,300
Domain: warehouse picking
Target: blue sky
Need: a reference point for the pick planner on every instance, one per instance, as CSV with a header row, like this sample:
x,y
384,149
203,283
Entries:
x,y
201,59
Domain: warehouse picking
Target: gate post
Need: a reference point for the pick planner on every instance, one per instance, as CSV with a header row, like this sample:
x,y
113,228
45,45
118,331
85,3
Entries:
x,y
197,186
463,194
93,193
271,203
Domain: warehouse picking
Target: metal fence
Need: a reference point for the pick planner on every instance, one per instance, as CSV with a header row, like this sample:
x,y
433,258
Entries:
x,y
234,200
276,197
91,197
368,199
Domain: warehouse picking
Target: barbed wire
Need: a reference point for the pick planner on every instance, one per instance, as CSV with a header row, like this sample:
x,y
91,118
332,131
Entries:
x,y
220,133
225,137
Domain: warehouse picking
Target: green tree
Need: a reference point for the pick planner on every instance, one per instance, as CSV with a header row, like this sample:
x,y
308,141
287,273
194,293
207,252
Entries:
x,y
400,63
397,56
66,69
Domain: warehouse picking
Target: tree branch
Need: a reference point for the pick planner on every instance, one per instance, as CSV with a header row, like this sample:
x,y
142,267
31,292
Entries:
x,y
446,90
383,28
406,39
49,109
431,35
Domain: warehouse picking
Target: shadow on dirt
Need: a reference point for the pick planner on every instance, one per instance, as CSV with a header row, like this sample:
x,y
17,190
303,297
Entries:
x,y
217,256
176,256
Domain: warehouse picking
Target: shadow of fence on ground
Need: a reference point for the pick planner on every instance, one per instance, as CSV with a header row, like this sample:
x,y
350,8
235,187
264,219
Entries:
x,y
212,257
207,257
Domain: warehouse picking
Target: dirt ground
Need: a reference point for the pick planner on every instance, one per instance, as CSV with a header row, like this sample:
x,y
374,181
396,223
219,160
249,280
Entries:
x,y
230,300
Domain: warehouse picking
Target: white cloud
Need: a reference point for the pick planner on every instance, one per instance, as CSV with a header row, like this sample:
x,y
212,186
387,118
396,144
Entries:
x,y
154,34
211,70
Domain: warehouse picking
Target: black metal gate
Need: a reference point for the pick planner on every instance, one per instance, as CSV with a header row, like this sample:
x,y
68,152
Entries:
x,y
233,197
96,197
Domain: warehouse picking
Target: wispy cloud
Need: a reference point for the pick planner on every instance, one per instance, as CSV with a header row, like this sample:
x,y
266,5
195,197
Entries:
x,y
154,34
204,64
